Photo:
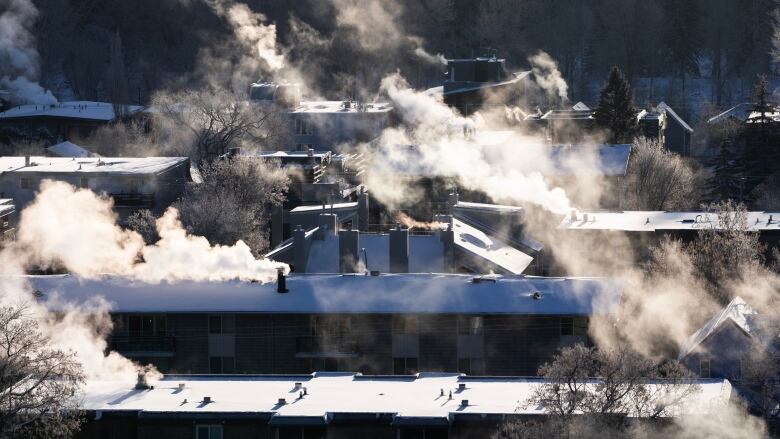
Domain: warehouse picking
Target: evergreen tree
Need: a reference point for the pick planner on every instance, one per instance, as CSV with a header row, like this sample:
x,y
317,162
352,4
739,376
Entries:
x,y
760,138
726,181
616,112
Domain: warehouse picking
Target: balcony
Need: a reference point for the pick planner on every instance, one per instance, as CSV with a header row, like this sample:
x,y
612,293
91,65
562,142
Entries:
x,y
325,347
143,345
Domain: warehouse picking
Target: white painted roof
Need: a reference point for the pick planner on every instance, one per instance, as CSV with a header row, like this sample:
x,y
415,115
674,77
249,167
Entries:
x,y
91,165
492,208
338,107
333,393
651,221
68,149
283,154
739,112
6,205
476,242
336,293
76,109
737,312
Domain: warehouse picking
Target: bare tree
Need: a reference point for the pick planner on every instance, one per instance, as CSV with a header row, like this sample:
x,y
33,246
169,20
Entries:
x,y
143,221
205,124
38,384
233,201
660,180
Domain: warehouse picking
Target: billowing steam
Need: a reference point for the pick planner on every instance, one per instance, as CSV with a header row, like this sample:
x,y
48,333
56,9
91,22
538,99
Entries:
x,y
19,60
411,223
75,229
548,77
436,141
375,21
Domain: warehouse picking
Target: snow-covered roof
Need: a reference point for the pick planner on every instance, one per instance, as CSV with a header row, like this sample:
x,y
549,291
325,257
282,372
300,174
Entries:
x,y
286,154
491,208
318,208
664,107
739,112
6,206
651,221
68,149
90,110
337,293
91,165
580,106
474,85
568,114
737,312
476,242
612,159
339,107
331,393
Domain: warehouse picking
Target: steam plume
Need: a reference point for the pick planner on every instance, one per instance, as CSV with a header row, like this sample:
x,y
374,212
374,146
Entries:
x,y
19,60
548,76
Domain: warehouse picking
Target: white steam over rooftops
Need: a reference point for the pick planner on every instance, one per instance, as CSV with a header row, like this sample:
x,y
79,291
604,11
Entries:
x,y
336,293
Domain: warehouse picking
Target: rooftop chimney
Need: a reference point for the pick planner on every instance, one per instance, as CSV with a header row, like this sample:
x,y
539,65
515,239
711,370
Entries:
x,y
328,223
399,250
299,249
26,160
363,209
349,244
281,281
141,383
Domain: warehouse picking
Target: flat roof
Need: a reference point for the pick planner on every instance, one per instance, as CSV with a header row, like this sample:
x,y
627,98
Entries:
x,y
651,221
332,393
90,165
68,149
286,154
476,242
339,108
318,208
485,207
73,109
345,293
611,159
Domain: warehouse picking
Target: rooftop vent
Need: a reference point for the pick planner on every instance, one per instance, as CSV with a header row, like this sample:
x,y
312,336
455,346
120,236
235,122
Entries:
x,y
141,383
464,403
461,387
298,385
281,281
536,295
207,399
282,401
181,386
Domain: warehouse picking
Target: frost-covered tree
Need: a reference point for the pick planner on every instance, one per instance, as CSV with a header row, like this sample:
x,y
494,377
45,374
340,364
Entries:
x,y
38,383
233,202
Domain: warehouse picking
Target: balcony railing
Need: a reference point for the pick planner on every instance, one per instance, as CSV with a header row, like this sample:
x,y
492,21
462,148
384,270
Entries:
x,y
143,345
316,346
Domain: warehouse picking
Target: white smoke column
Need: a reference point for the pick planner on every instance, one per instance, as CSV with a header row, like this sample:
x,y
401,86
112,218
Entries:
x,y
376,21
427,57
75,229
19,59
548,77
512,170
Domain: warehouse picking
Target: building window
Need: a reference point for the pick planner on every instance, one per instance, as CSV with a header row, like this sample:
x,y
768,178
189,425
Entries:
x,y
84,183
222,365
471,366
303,127
330,326
404,366
303,146
704,368
405,324
25,183
470,325
574,326
208,432
326,364
146,325
222,324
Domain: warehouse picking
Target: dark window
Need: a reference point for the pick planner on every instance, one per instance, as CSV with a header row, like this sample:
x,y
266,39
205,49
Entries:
x,y
302,127
208,432
567,326
222,365
405,324
221,324
470,325
704,368
301,433
330,326
84,183
25,183
325,365
404,366
574,326
146,325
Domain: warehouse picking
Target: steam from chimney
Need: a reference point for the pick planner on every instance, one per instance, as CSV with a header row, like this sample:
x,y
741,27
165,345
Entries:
x,y
19,59
76,229
548,77
411,223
